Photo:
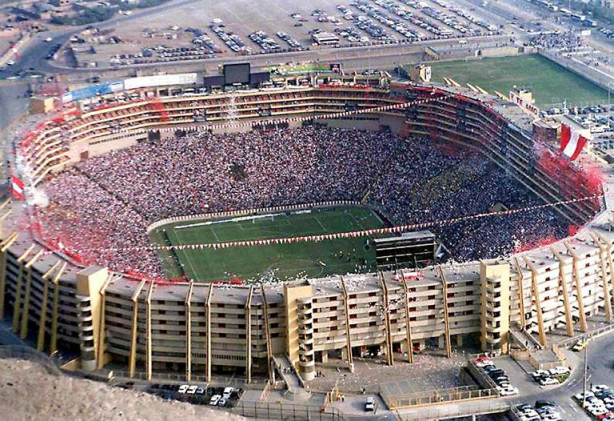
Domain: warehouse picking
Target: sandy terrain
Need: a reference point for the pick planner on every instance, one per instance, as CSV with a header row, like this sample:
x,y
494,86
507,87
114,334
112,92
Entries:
x,y
27,392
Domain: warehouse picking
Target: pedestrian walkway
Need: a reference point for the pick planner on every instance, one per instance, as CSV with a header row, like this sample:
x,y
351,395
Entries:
x,y
296,392
524,338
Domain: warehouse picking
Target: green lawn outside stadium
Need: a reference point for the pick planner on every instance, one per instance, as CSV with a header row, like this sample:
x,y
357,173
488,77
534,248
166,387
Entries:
x,y
284,260
550,83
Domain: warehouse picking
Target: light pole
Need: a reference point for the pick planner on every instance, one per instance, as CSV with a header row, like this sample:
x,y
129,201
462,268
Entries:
x,y
609,103
585,375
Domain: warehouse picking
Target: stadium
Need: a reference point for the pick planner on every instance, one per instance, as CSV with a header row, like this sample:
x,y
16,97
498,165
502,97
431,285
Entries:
x,y
209,275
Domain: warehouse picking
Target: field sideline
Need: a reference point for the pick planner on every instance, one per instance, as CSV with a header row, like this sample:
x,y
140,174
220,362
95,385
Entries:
x,y
283,261
550,83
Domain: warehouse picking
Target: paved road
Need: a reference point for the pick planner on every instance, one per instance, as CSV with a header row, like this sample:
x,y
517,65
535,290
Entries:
x,y
13,101
33,56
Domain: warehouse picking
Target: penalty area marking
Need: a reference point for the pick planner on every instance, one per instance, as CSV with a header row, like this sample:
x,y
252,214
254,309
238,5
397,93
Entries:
x,y
240,219
186,257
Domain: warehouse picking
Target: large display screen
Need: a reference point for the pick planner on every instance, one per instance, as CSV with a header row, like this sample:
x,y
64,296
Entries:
x,y
236,73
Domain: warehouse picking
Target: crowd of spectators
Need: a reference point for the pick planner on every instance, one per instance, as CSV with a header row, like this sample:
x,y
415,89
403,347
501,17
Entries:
x,y
107,202
565,42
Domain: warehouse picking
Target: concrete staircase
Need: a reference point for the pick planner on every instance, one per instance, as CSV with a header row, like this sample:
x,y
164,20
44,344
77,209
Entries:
x,y
296,392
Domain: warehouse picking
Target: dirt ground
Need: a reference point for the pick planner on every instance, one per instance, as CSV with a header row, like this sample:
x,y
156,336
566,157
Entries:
x,y
428,372
28,392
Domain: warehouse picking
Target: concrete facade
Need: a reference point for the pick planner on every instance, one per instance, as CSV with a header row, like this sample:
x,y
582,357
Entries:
x,y
200,329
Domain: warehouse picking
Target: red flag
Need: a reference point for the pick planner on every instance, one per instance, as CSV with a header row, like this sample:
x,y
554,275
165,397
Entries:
x,y
18,188
572,142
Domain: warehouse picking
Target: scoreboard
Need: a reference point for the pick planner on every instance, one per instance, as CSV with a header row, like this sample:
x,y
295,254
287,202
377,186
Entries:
x,y
410,250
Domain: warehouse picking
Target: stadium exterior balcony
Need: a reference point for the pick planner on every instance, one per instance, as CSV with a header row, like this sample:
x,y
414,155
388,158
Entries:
x,y
493,341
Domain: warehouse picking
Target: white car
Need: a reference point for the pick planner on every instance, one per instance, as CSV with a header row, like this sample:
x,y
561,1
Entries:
x,y
370,404
222,402
48,39
530,413
597,410
593,401
549,414
215,400
580,395
560,370
596,406
509,391
599,387
227,392
548,382
540,373
186,388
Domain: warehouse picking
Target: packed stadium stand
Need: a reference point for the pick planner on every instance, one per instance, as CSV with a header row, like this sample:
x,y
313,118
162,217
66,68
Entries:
x,y
199,329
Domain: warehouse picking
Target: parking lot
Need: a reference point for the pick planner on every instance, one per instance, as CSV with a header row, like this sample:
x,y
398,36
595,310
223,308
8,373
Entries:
x,y
194,393
239,27
598,402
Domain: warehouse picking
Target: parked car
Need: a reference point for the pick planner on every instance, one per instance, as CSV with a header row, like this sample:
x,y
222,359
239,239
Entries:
x,y
509,391
537,375
370,404
215,399
580,396
580,345
227,392
548,381
560,370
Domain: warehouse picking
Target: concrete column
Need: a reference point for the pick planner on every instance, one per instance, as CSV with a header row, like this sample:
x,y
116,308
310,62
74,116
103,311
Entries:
x,y
540,316
408,339
42,322
248,334
563,285
148,333
90,282
348,338
209,347
188,332
442,341
388,343
610,260
23,331
4,246
607,301
18,288
446,317
576,279
324,357
523,322
103,357
55,315
135,331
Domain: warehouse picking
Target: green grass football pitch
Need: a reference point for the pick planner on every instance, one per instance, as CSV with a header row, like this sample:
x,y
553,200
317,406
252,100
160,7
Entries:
x,y
550,83
284,261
